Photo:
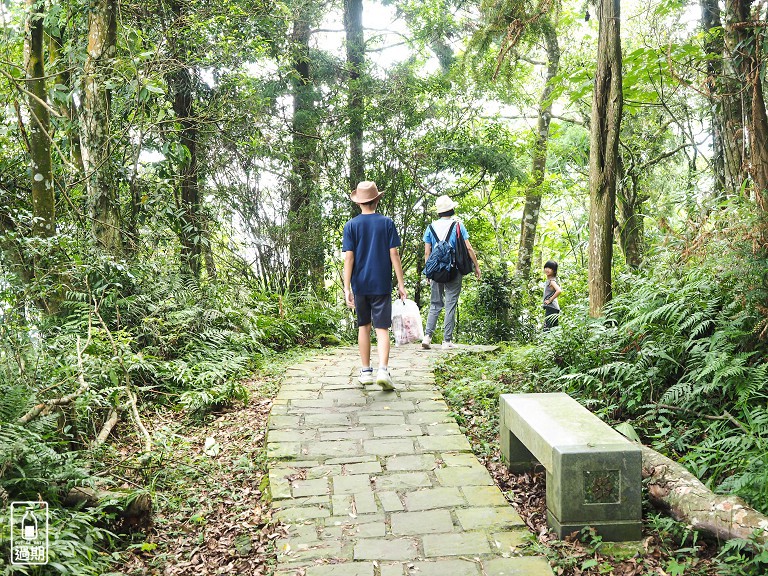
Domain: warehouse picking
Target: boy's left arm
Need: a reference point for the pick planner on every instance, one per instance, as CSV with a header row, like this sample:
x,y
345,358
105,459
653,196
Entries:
x,y
394,257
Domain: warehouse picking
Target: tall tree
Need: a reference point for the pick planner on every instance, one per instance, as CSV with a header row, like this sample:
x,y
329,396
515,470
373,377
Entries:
x,y
714,47
181,91
43,198
103,198
530,217
306,248
607,103
727,92
746,33
353,25
66,106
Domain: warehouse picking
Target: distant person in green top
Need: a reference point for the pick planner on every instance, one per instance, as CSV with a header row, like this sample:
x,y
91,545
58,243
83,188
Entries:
x,y
551,291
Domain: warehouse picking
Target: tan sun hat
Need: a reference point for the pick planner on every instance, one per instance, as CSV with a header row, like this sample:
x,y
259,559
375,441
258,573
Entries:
x,y
365,192
444,204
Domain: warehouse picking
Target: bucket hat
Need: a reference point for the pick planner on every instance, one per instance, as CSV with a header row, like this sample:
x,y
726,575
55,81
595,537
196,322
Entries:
x,y
444,204
365,192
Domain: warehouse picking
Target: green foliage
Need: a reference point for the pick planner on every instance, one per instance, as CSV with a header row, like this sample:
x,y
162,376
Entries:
x,y
119,330
678,353
76,543
493,310
743,558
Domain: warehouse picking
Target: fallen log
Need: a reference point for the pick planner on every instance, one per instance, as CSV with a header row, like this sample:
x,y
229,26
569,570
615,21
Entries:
x,y
134,510
673,489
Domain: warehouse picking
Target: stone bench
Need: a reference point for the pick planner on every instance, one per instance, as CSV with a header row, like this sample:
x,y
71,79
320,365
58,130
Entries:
x,y
593,472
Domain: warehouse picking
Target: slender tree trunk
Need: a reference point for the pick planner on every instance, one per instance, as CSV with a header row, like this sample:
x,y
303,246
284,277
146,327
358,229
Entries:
x,y
353,24
67,109
759,133
43,200
180,83
603,154
96,142
207,247
306,248
631,223
735,98
533,194
745,41
714,48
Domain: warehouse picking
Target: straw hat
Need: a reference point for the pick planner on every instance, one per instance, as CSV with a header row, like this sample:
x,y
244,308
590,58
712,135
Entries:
x,y
365,192
444,204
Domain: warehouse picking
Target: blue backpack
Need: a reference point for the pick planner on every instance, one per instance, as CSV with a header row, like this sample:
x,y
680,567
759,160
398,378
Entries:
x,y
441,264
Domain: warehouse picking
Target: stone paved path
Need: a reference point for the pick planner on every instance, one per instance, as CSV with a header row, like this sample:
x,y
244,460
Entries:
x,y
378,483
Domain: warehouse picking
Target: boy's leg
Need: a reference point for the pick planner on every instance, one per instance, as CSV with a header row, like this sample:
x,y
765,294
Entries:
x,y
364,344
452,291
382,346
381,312
363,311
435,305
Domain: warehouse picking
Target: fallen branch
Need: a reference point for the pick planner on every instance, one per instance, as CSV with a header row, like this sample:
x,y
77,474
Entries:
x,y
110,423
132,402
672,488
46,405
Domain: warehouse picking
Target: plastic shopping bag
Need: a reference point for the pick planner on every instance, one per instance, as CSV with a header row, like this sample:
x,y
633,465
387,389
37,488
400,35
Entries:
x,y
406,322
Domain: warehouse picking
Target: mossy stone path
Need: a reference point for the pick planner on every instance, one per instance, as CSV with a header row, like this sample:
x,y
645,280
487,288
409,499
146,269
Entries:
x,y
376,483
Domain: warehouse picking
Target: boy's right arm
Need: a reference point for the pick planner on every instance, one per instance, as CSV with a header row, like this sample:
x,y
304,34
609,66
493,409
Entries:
x,y
349,262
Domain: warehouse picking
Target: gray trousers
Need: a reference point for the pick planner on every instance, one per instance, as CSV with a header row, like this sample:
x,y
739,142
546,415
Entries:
x,y
444,295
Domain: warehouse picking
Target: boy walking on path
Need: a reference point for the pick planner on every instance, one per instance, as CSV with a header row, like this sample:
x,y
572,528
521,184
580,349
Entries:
x,y
445,294
370,244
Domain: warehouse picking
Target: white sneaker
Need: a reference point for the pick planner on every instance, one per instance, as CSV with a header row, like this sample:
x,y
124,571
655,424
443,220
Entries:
x,y
427,342
447,345
366,376
384,380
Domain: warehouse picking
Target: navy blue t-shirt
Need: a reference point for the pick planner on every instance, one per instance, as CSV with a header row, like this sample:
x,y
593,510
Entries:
x,y
370,237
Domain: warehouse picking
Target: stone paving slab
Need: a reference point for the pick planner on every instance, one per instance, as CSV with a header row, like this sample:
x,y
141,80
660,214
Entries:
x,y
375,483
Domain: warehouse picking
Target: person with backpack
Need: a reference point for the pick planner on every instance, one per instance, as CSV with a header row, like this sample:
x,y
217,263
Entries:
x,y
448,256
370,244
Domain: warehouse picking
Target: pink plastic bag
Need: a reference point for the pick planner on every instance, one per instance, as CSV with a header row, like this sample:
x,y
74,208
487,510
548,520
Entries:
x,y
406,322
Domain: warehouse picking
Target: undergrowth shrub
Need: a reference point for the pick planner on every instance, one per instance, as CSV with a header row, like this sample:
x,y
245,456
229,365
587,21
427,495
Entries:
x,y
495,310
117,334
682,353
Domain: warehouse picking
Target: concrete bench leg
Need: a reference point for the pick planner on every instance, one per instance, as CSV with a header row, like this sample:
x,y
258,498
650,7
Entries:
x,y
518,457
601,489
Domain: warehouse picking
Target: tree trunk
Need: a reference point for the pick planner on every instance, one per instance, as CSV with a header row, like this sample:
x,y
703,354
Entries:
x,y
745,46
603,154
533,194
353,24
759,133
103,198
714,48
735,97
43,199
631,222
674,489
180,84
306,248
207,247
67,109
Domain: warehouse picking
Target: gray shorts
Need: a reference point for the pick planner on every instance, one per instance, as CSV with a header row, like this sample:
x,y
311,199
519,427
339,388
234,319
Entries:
x,y
376,307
